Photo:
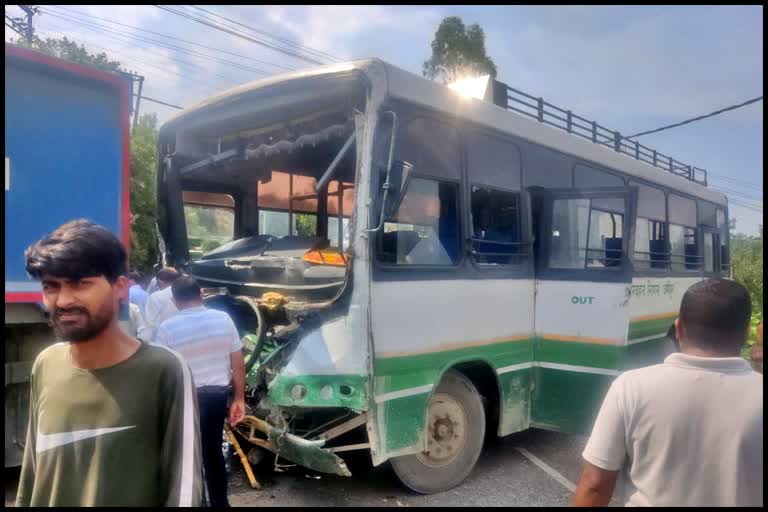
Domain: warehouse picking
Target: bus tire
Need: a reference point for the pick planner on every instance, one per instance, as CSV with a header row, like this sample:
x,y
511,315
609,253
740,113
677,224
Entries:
x,y
455,434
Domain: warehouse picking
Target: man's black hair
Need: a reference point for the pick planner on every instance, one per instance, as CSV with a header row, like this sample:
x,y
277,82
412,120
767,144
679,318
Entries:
x,y
168,274
76,250
715,314
185,289
135,276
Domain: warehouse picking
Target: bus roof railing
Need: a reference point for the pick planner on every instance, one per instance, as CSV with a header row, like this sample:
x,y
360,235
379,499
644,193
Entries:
x,y
552,115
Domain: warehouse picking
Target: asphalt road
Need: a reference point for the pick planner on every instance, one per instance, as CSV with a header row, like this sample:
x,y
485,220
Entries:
x,y
506,475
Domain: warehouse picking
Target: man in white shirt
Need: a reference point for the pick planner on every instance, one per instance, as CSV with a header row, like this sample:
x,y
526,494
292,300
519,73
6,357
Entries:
x,y
689,431
160,305
209,342
136,293
131,325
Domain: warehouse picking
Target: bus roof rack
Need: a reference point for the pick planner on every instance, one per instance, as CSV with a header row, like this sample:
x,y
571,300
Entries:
x,y
522,103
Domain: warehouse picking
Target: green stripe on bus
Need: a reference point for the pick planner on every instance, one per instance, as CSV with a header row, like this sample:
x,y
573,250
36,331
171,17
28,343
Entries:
x,y
579,354
403,372
567,401
644,328
320,391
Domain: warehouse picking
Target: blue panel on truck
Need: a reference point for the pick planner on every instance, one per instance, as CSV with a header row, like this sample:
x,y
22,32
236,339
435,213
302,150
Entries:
x,y
64,158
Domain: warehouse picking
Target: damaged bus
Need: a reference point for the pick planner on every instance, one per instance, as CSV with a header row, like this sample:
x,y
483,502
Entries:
x,y
412,269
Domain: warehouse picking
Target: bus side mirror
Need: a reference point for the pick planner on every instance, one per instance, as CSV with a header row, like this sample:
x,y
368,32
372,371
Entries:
x,y
399,177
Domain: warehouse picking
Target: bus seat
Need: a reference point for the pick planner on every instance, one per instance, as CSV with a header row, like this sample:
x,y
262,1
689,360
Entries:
x,y
613,249
658,254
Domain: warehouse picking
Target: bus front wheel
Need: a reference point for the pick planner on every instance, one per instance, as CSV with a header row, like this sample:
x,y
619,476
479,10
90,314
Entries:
x,y
455,434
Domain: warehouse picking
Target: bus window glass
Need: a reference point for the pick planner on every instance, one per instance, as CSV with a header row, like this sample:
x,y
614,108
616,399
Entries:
x,y
546,168
568,242
587,177
493,162
650,248
709,255
496,226
684,251
430,146
605,240
425,230
650,202
683,237
682,210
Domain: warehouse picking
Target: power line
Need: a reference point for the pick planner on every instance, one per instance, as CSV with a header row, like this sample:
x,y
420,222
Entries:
x,y
318,53
698,118
123,59
757,209
122,38
155,41
738,193
175,38
162,69
242,35
734,181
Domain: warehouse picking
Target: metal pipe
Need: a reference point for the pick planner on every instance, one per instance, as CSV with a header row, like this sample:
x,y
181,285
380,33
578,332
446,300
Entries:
x,y
327,174
340,216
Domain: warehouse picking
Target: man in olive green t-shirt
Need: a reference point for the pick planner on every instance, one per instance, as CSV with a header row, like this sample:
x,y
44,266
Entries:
x,y
113,421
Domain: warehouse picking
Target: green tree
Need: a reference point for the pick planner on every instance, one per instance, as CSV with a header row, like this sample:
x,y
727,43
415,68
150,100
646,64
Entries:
x,y
306,224
747,266
143,252
143,204
458,51
67,49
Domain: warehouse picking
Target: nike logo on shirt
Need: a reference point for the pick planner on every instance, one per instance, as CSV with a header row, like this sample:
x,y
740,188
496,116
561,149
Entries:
x,y
48,441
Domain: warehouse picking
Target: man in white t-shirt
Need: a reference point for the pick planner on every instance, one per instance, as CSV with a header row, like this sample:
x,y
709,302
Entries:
x,y
160,305
688,432
210,343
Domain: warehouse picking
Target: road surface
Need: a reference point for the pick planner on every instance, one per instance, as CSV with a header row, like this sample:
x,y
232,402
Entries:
x,y
533,468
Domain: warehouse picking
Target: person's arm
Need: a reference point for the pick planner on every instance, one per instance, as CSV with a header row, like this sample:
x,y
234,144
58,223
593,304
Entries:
x,y
237,408
605,452
162,338
146,331
595,487
180,472
27,477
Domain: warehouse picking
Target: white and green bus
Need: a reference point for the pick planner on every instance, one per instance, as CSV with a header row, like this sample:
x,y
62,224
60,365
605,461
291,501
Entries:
x,y
414,269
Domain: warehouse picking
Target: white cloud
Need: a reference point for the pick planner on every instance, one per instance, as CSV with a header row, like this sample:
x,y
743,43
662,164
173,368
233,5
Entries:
x,y
337,29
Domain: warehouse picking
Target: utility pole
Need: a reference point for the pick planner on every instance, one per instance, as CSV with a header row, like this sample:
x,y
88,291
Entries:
x,y
138,101
18,25
31,10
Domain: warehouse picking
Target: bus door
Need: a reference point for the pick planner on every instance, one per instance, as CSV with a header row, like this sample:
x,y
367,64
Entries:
x,y
583,280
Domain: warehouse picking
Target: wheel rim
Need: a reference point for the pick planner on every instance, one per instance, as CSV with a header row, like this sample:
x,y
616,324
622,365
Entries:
x,y
447,427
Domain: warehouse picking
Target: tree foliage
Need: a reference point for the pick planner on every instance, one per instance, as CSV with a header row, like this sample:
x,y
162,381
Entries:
x,y
747,266
143,253
458,51
67,49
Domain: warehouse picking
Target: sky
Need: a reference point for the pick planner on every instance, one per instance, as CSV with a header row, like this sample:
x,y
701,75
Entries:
x,y
631,69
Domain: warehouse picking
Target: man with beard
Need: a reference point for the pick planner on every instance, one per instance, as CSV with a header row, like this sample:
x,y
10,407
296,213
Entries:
x,y
112,420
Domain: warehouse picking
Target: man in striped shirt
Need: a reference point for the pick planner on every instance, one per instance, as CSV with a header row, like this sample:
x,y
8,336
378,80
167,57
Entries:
x,y
209,341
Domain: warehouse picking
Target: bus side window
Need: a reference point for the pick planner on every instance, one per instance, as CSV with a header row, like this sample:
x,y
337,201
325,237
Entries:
x,y
722,227
651,235
495,179
426,229
683,234
587,233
